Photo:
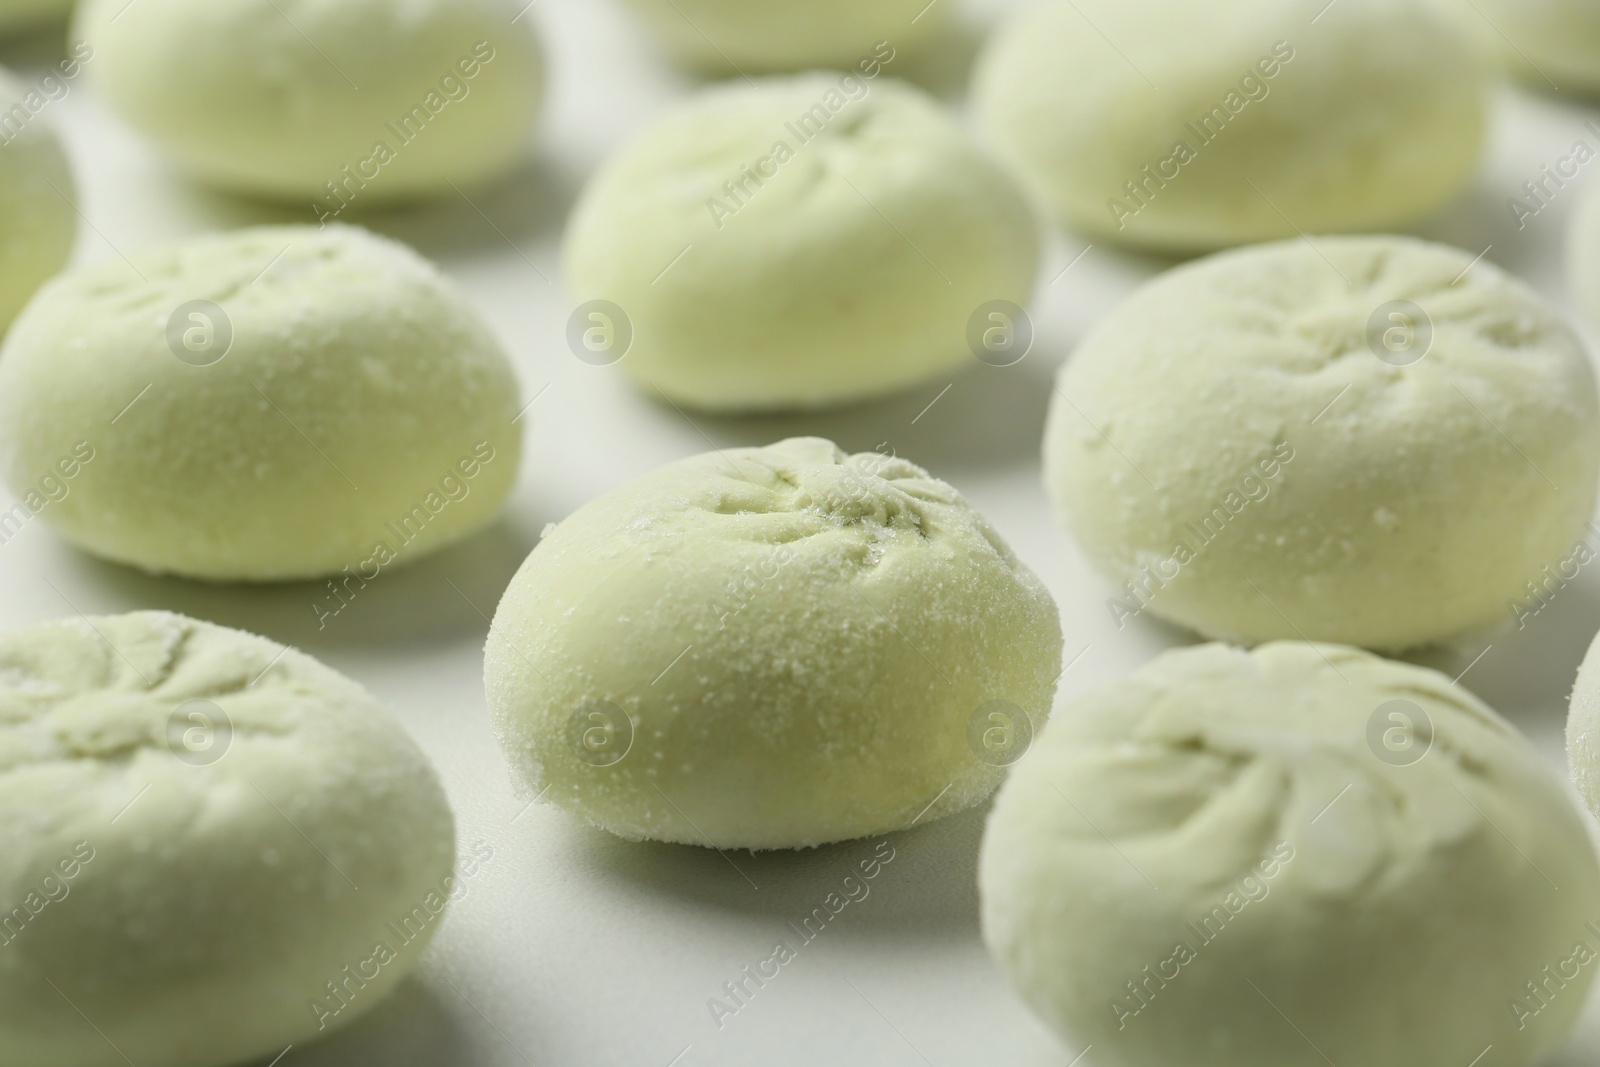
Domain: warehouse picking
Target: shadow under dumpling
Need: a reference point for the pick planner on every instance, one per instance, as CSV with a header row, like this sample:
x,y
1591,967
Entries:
x,y
522,208
988,416
448,595
409,1029
925,880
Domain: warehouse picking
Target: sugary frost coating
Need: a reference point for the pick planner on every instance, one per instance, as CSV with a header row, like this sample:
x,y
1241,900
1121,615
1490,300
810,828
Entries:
x,y
1265,444
38,221
800,242
1185,126
337,101
757,36
1298,856
199,831
259,405
767,648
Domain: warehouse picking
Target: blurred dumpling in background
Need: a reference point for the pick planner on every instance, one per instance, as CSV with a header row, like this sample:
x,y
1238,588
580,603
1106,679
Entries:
x,y
38,220
1188,127
352,102
800,242
748,36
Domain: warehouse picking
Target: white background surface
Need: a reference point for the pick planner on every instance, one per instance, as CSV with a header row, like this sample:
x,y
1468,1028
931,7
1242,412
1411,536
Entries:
x,y
571,947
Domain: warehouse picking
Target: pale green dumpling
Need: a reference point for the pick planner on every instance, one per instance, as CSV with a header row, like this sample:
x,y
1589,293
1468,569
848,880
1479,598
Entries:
x,y
800,242
259,405
1298,856
341,103
771,648
38,216
1367,440
757,36
210,846
1193,126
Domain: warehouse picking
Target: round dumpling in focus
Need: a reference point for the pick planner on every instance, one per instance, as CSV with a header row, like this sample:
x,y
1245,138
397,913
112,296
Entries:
x,y
771,648
342,102
1296,856
1181,126
211,847
1374,441
260,405
799,242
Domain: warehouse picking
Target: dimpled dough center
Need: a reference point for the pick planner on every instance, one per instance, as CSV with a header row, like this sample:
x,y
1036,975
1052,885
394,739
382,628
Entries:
x,y
260,405
767,648
199,831
1231,450
800,242
1298,856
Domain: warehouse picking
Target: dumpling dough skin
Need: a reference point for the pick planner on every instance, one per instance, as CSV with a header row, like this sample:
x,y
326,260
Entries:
x,y
276,99
358,383
38,219
851,270
1366,120
760,36
1392,909
798,639
213,905
1229,442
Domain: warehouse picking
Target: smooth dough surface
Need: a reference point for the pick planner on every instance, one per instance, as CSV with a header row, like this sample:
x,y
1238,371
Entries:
x,y
1195,854
758,36
38,215
360,414
767,259
277,100
1232,452
196,907
1366,120
781,646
